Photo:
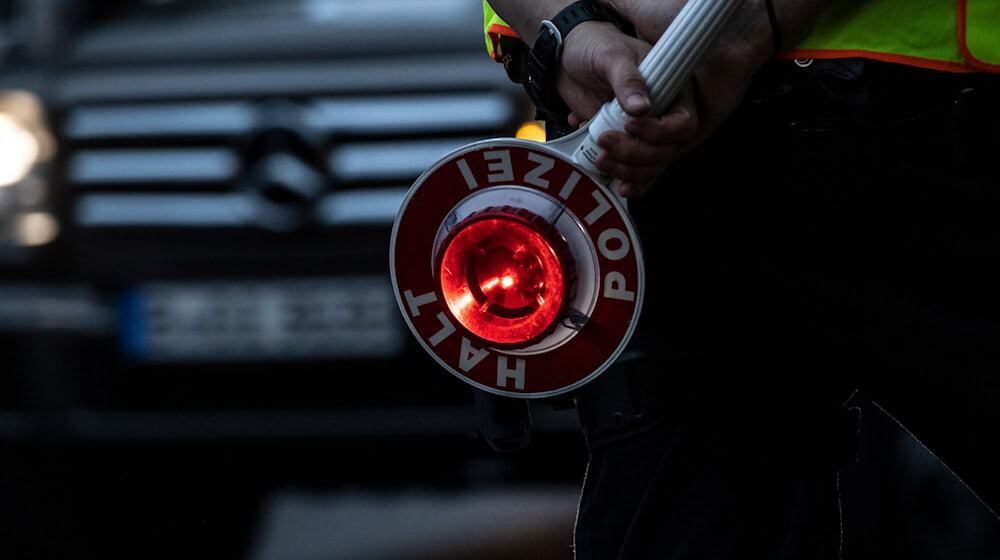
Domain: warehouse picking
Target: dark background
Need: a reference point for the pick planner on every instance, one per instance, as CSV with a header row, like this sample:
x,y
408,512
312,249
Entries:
x,y
200,355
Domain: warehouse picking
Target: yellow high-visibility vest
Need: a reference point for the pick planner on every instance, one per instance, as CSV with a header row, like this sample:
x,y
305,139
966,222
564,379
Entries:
x,y
494,28
947,35
952,36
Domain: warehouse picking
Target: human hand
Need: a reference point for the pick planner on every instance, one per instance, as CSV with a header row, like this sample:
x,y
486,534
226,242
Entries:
x,y
651,143
600,63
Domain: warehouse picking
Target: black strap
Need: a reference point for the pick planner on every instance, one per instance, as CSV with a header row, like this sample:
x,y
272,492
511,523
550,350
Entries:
x,y
543,59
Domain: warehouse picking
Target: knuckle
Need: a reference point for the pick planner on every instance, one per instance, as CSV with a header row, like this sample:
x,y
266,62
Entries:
x,y
631,173
637,153
690,122
664,134
633,80
619,61
648,132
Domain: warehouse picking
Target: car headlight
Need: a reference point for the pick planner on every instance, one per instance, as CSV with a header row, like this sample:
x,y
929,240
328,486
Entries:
x,y
20,151
27,145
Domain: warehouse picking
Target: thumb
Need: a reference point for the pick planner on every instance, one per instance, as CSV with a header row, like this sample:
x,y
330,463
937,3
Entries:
x,y
628,85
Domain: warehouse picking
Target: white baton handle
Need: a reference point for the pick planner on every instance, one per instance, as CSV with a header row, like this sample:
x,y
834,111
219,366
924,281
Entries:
x,y
666,70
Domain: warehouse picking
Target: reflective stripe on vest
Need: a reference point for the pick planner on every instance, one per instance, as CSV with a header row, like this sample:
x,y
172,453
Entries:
x,y
953,36
494,28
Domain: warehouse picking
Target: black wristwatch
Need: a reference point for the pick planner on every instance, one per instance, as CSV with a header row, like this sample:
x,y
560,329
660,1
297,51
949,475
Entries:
x,y
542,68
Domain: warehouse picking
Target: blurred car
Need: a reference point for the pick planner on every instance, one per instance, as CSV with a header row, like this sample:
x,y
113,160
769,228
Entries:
x,y
195,205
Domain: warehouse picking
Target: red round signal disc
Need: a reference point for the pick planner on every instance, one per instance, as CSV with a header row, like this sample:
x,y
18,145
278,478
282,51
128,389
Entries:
x,y
503,279
487,293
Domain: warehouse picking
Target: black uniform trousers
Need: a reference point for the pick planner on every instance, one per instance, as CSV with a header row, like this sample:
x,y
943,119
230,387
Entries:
x,y
840,232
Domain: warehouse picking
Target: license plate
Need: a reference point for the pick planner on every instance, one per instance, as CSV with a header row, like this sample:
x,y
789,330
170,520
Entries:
x,y
337,318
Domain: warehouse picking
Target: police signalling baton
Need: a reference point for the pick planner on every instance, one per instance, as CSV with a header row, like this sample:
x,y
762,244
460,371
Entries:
x,y
515,264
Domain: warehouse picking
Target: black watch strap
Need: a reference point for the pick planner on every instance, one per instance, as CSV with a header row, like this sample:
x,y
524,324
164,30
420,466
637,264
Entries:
x,y
543,59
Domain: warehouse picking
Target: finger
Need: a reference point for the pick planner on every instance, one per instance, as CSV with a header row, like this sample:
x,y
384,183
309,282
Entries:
x,y
633,151
581,99
584,107
628,173
678,125
633,190
576,121
622,71
670,128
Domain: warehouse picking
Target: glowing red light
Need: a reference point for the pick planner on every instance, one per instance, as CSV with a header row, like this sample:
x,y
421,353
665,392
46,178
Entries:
x,y
503,280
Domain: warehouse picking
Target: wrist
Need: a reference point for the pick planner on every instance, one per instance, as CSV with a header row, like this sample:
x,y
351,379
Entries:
x,y
748,40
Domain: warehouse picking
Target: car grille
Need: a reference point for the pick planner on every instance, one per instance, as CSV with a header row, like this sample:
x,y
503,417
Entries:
x,y
327,161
